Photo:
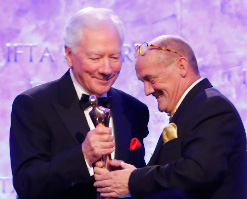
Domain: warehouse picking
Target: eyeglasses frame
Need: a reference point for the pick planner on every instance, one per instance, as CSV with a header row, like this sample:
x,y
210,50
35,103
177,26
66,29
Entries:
x,y
138,49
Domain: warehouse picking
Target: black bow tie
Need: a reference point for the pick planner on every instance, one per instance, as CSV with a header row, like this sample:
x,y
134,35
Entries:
x,y
102,101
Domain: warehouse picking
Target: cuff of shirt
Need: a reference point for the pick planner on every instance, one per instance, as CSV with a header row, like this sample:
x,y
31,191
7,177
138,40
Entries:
x,y
90,168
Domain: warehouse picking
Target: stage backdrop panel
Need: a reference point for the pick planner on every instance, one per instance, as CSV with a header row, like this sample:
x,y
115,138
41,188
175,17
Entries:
x,y
31,51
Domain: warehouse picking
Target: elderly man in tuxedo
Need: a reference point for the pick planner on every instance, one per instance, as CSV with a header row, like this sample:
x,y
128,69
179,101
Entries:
x,y
202,152
53,142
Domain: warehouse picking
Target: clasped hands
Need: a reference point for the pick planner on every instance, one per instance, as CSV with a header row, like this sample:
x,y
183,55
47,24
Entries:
x,y
97,143
113,183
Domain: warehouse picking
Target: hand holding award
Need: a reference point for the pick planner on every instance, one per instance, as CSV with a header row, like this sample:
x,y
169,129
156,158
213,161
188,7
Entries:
x,y
100,116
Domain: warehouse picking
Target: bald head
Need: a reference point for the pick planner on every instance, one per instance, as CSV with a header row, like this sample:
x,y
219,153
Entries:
x,y
179,45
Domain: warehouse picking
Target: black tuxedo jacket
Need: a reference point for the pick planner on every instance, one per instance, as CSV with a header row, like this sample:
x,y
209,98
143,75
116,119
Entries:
x,y
206,161
47,129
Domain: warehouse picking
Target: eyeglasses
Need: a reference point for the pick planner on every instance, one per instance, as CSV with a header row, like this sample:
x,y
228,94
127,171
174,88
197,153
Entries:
x,y
143,48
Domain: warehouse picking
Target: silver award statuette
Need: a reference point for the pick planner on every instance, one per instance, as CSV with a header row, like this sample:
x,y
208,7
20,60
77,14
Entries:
x,y
100,116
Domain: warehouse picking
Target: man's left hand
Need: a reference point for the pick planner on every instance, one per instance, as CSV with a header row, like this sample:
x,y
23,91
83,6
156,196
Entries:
x,y
114,183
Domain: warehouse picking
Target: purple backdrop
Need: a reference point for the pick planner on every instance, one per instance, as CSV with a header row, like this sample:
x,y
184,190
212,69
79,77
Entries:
x,y
31,51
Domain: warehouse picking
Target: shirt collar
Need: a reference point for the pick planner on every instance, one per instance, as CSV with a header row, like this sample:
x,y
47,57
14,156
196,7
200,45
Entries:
x,y
78,88
186,92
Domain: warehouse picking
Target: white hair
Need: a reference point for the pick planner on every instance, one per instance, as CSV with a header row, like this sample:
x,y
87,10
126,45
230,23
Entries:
x,y
90,17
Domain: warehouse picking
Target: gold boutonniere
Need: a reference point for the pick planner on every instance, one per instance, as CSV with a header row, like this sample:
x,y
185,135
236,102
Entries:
x,y
170,132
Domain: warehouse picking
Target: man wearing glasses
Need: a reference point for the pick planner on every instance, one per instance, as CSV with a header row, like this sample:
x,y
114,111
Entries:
x,y
201,154
53,142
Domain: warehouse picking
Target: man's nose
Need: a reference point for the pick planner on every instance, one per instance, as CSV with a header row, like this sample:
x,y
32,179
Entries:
x,y
106,68
148,88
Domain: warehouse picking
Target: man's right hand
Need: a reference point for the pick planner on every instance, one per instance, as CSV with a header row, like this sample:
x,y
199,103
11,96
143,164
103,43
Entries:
x,y
97,143
113,183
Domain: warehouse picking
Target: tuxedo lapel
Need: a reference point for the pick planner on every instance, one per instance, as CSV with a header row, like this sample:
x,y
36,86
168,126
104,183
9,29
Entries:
x,y
69,109
75,121
155,155
122,127
202,85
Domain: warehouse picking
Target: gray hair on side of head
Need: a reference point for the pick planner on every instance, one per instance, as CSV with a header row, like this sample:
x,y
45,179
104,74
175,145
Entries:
x,y
90,17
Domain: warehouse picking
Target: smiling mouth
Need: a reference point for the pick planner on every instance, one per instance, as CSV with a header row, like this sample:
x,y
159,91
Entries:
x,y
105,78
157,94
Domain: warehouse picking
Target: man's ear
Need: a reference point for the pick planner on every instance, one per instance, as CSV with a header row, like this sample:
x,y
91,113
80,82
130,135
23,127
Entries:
x,y
183,66
68,54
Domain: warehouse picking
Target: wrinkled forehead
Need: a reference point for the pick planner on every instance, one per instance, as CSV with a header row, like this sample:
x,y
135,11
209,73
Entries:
x,y
149,58
144,65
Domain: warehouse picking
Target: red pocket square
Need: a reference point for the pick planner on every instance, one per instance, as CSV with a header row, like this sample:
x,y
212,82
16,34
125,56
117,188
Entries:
x,y
135,144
